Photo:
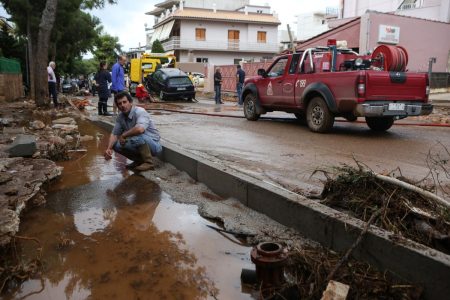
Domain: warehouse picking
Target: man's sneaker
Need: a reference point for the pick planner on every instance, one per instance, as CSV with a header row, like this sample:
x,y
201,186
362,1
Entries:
x,y
145,167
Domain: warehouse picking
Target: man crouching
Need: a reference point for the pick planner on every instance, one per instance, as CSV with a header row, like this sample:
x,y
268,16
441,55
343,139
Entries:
x,y
134,135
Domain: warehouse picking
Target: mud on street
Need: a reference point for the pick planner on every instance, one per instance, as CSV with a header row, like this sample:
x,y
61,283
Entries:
x,y
100,231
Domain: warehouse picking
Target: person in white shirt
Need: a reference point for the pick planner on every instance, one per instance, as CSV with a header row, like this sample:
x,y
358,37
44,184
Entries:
x,y
52,83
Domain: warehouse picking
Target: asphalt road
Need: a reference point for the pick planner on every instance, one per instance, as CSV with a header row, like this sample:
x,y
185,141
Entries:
x,y
286,153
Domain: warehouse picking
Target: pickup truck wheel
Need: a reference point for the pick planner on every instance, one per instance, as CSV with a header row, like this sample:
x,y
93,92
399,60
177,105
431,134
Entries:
x,y
250,108
318,116
379,123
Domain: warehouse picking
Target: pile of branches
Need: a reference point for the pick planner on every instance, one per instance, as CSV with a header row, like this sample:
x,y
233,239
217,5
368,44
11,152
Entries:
x,y
14,268
408,211
310,267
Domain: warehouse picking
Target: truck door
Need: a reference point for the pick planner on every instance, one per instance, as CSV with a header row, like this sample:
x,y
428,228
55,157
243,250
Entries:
x,y
271,87
288,83
305,77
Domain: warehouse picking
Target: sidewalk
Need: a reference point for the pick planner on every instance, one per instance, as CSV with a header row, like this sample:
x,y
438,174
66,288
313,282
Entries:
x,y
440,99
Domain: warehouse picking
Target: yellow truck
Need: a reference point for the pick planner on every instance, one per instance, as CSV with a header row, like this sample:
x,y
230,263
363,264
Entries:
x,y
140,67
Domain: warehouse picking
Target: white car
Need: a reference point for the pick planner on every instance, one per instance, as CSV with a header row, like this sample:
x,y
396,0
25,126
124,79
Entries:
x,y
199,79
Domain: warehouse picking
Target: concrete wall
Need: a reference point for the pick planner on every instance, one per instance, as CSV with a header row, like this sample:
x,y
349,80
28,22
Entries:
x,y
421,38
356,8
218,31
309,25
220,4
219,58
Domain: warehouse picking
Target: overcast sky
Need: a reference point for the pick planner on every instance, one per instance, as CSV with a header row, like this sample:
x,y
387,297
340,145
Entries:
x,y
127,18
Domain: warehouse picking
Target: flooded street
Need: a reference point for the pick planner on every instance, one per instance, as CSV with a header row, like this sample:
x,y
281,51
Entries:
x,y
107,233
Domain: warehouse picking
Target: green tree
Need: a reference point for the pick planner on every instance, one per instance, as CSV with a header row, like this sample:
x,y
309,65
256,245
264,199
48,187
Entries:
x,y
107,48
35,20
157,47
84,66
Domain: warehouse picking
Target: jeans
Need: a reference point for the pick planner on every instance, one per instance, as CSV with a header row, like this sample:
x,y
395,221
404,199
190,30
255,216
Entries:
x,y
131,147
217,90
52,92
239,92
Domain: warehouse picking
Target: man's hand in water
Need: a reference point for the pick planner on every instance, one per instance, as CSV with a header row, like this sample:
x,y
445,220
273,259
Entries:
x,y
108,154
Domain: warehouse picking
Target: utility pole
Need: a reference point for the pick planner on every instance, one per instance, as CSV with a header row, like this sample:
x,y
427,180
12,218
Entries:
x,y
291,41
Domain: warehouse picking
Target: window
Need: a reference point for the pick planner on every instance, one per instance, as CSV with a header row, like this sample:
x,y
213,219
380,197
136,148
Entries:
x,y
201,59
233,39
233,35
294,62
200,34
278,67
236,61
261,37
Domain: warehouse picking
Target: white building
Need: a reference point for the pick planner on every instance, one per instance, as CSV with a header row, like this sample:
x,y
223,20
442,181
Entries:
x,y
217,32
437,10
312,24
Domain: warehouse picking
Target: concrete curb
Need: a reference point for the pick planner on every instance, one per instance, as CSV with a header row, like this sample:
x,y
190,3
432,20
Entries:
x,y
333,229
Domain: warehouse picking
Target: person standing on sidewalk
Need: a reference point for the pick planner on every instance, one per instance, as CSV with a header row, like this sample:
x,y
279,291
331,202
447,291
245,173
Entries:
x,y
118,78
134,135
218,86
52,83
240,77
102,79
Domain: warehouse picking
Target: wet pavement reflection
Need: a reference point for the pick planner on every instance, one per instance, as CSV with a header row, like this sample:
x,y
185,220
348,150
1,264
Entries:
x,y
122,237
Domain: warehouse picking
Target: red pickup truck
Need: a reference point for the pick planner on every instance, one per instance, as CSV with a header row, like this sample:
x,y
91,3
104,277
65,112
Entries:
x,y
319,84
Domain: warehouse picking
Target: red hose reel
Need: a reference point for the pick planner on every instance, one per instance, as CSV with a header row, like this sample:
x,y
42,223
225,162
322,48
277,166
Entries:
x,y
390,58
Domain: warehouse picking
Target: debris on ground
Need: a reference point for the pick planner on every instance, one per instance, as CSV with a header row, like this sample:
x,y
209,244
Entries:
x,y
80,103
309,267
409,213
20,182
31,140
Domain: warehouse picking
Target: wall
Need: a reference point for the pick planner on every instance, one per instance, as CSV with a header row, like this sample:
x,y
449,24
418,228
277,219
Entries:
x,y
218,31
220,58
421,38
309,25
356,8
430,13
214,30
10,87
220,4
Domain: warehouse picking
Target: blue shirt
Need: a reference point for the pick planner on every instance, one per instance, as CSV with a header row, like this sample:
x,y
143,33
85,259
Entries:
x,y
137,117
118,78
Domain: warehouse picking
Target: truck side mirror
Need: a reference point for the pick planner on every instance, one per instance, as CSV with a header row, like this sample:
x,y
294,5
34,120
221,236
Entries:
x,y
262,72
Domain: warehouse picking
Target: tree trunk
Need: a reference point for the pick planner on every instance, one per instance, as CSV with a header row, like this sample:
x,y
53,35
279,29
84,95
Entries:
x,y
30,59
40,59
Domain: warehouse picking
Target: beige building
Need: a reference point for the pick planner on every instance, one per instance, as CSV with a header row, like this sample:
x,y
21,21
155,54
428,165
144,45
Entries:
x,y
216,32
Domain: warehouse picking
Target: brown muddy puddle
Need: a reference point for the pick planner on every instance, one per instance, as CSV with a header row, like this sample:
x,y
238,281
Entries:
x,y
108,234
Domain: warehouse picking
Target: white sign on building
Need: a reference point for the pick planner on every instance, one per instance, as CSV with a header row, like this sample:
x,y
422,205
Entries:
x,y
389,34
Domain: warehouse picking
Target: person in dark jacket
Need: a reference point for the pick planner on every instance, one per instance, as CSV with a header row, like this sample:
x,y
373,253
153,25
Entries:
x,y
218,85
102,78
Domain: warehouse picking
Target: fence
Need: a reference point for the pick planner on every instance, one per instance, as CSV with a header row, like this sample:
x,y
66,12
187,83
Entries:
x,y
440,81
10,80
229,73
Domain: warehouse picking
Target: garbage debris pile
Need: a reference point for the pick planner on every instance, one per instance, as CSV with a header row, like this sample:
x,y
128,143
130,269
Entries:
x,y
406,210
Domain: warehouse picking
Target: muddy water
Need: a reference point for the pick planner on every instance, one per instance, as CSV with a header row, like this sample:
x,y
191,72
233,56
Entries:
x,y
106,233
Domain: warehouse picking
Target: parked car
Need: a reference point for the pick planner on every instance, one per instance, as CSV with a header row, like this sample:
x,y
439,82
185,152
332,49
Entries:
x,y
67,86
170,83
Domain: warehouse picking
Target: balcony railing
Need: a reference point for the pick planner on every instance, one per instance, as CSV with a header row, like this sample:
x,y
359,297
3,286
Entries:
x,y
176,43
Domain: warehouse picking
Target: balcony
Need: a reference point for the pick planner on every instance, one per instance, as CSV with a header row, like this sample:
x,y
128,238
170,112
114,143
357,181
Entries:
x,y
177,43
